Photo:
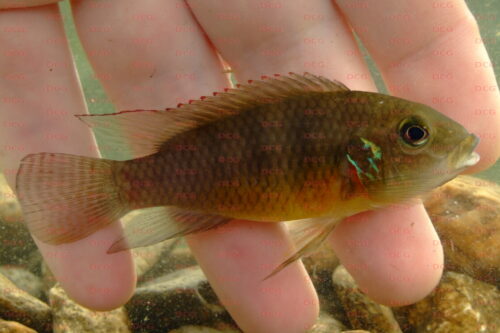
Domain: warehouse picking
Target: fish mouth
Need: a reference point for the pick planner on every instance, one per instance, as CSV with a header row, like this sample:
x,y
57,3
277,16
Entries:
x,y
464,156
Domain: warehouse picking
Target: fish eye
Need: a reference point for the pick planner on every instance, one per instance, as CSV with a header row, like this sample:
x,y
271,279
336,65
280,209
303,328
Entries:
x,y
413,133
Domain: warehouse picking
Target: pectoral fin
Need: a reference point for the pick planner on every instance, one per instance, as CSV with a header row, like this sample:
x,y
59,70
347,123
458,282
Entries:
x,y
308,234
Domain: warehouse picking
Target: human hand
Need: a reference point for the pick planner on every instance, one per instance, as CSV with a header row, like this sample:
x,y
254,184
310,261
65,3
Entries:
x,y
151,54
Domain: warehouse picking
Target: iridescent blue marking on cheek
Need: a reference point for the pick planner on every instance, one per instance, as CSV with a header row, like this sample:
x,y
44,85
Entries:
x,y
376,151
373,165
358,169
376,155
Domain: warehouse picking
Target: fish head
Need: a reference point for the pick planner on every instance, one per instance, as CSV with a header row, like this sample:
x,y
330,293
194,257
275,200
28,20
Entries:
x,y
409,152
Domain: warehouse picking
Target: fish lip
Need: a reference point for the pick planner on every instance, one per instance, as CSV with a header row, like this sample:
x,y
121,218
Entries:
x,y
464,156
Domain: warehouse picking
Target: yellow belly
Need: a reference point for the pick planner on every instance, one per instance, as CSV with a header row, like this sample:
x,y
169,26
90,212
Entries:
x,y
314,199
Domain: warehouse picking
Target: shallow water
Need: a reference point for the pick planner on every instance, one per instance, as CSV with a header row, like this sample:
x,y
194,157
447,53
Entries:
x,y
446,208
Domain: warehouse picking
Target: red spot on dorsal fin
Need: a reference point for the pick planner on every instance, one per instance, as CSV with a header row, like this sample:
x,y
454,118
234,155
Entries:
x,y
250,81
203,97
226,89
191,101
277,75
264,77
238,85
179,105
215,93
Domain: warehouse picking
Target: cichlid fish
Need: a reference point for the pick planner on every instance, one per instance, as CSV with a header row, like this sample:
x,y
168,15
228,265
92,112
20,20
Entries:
x,y
294,147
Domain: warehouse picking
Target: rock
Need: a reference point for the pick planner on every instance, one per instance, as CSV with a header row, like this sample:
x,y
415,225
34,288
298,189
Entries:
x,y
15,241
466,214
71,317
326,324
48,279
362,312
14,327
18,305
33,262
24,280
145,258
170,260
460,304
180,298
200,329
320,266
226,327
330,303
195,329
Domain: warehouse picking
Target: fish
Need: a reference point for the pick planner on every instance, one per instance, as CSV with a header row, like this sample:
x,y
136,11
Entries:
x,y
298,147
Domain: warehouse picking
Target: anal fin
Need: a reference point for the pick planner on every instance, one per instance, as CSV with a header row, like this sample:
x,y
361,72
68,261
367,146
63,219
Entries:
x,y
161,223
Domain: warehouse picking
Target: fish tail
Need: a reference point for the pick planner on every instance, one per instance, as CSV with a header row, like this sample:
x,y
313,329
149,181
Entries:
x,y
65,197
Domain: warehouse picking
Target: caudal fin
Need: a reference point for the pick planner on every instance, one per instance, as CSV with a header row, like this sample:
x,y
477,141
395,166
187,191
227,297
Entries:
x,y
65,197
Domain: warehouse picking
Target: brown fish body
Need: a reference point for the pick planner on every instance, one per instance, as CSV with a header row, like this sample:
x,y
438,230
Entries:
x,y
275,162
297,147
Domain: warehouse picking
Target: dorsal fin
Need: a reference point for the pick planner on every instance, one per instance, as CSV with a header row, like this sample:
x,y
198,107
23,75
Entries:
x,y
144,131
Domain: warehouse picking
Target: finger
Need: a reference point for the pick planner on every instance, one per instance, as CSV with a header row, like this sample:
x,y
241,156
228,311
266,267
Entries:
x,y
262,38
278,37
432,52
148,55
394,254
11,4
153,55
284,303
40,92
